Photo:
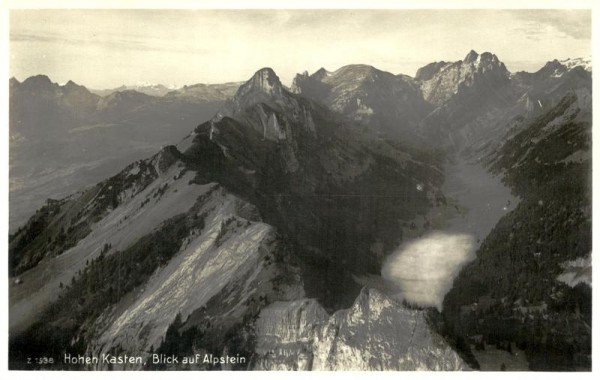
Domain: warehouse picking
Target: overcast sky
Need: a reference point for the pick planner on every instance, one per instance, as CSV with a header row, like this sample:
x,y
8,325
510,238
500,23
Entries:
x,y
107,48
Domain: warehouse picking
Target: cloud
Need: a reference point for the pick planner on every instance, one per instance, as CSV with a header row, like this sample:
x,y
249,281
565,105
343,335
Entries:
x,y
108,42
575,24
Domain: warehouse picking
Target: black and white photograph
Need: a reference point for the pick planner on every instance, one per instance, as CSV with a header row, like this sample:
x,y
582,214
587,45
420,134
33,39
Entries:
x,y
298,189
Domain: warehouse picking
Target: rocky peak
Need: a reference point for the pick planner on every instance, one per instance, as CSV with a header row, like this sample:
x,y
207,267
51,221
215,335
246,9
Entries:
x,y
376,333
471,57
320,74
264,80
552,69
38,82
491,61
304,83
38,79
440,82
72,87
71,84
299,81
553,65
585,63
428,71
264,87
485,61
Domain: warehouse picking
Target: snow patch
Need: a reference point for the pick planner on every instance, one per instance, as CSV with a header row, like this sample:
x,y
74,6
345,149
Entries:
x,y
585,63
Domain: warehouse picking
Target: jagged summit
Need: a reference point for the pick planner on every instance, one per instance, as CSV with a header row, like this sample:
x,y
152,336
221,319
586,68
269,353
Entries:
x,y
349,72
264,87
264,80
389,104
441,81
488,58
483,60
43,82
471,57
553,67
560,67
321,73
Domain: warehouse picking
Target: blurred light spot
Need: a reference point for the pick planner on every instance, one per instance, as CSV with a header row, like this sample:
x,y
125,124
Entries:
x,y
424,269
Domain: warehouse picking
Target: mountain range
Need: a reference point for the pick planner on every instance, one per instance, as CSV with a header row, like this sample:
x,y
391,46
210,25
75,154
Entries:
x,y
200,91
262,232
80,137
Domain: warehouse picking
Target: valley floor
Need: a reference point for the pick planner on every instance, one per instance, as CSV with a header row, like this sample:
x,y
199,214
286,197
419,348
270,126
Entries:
x,y
424,267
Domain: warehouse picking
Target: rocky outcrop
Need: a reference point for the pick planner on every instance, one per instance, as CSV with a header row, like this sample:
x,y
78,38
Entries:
x,y
376,333
391,105
474,70
231,256
428,71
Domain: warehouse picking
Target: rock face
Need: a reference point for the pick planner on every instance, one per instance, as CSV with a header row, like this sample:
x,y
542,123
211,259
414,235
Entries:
x,y
376,333
227,257
473,71
264,86
427,72
117,211
392,105
468,96
477,97
454,104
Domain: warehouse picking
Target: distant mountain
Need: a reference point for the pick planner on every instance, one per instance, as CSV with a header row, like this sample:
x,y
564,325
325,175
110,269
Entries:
x,y
79,137
460,103
475,74
148,89
547,86
39,102
196,92
585,63
206,92
391,105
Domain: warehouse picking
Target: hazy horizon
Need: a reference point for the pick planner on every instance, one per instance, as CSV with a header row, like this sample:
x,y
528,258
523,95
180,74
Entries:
x,y
104,49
